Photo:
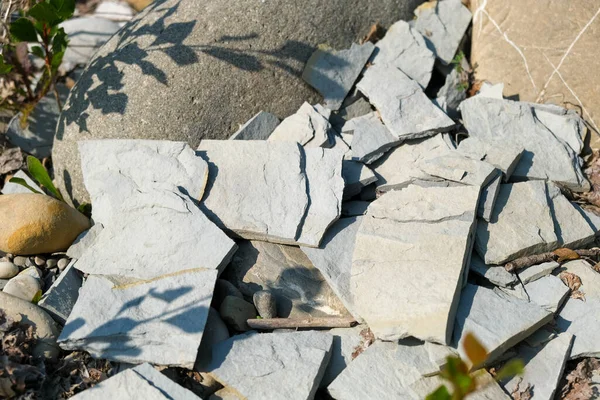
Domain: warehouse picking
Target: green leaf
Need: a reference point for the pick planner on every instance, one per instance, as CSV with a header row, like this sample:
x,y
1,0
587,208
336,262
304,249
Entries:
x,y
44,12
23,182
38,51
59,42
37,297
4,68
510,369
85,209
57,59
39,173
22,30
64,8
440,393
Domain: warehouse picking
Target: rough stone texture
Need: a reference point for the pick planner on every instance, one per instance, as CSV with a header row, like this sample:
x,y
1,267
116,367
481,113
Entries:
x,y
405,48
137,322
548,292
497,275
205,73
455,167
258,127
141,382
300,289
572,229
333,73
25,287
36,224
503,155
276,365
356,176
215,331
582,320
265,303
499,322
347,344
59,299
590,279
548,153
356,107
370,138
414,230
515,230
11,188
452,93
334,258
235,312
84,241
443,24
307,127
536,272
224,288
404,108
489,194
354,208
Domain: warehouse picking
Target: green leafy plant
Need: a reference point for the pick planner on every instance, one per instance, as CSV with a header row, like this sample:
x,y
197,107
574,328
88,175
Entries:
x,y
457,61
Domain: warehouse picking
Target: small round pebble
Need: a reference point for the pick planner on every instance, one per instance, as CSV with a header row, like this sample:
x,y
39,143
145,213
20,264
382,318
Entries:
x,y
39,261
265,304
29,262
63,263
8,270
51,263
20,261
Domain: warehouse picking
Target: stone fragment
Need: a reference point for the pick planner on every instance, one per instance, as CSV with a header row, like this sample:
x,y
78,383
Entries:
x,y
32,271
536,272
25,287
452,93
276,365
224,288
348,343
215,331
548,292
11,160
11,187
572,229
492,91
547,154
443,24
63,263
357,108
455,167
8,270
235,312
496,275
20,261
370,138
258,127
333,73
265,303
489,194
354,208
503,155
582,320
58,301
84,241
137,322
590,279
356,176
307,127
499,322
405,109
140,382
428,228
517,231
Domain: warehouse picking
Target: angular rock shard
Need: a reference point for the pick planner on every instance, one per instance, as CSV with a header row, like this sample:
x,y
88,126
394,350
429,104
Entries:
x,y
452,93
405,109
536,272
356,176
572,229
258,127
489,194
333,73
137,322
455,167
414,230
347,344
307,127
287,366
59,299
497,275
582,320
503,155
548,292
370,138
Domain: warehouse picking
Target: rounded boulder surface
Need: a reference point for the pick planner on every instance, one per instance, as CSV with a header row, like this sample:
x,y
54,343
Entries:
x,y
8,270
35,223
25,287
184,70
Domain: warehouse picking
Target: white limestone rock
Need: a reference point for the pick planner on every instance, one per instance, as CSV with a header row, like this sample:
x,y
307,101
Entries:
x,y
271,366
59,299
548,292
370,138
405,109
572,229
566,124
492,91
582,320
489,194
84,241
536,272
414,231
137,322
258,127
348,343
455,167
307,127
356,176
495,274
503,155
11,187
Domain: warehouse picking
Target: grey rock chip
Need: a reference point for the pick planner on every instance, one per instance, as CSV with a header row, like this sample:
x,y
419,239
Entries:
x,y
8,270
307,127
59,300
370,138
413,230
141,382
357,108
499,322
265,303
235,312
548,292
582,320
333,73
590,279
224,288
443,24
405,109
215,331
536,272
503,155
492,91
455,167
11,187
137,322
23,286
356,176
276,365
517,231
354,208
63,263
452,93
571,227
20,261
566,124
489,194
84,241
258,127
496,275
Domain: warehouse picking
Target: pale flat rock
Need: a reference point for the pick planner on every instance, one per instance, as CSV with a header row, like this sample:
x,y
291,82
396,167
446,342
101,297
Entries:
x,y
84,241
11,187
356,176
503,155
489,194
582,320
357,108
496,275
334,258
548,292
59,299
455,167
307,127
566,124
333,73
370,138
488,388
590,279
547,154
452,93
536,272
414,230
258,127
405,109
493,91
515,230
499,322
572,229
285,366
443,24
141,382
405,48
137,322
354,208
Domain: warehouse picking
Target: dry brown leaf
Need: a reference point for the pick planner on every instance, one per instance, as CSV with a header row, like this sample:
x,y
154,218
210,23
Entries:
x,y
596,267
571,280
576,383
578,294
565,254
522,394
367,339
376,32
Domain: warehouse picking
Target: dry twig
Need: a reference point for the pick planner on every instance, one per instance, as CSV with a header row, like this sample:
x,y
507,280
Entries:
x,y
292,323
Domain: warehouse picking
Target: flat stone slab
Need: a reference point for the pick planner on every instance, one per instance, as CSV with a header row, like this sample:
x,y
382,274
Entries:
x,y
84,241
59,299
536,272
503,155
517,231
455,167
452,93
137,322
275,365
499,322
547,154
141,382
443,24
590,279
356,176
405,109
548,292
258,127
405,48
493,91
333,73
11,187
571,227
496,275
354,208
348,343
414,230
582,320
307,127
489,194
370,138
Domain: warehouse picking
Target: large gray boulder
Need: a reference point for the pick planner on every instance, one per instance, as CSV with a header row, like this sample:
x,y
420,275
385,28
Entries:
x,y
185,71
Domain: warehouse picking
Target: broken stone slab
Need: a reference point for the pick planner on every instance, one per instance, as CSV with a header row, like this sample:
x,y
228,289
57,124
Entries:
x,y
84,241
307,127
334,258
59,299
495,274
404,48
354,208
11,187
548,292
405,109
357,108
136,322
140,382
499,322
489,194
487,387
299,287
443,25
491,91
452,93
333,73
566,124
572,229
547,154
370,138
536,272
356,176
503,155
582,320
258,127
413,230
276,365
590,279
455,167
515,230
544,366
